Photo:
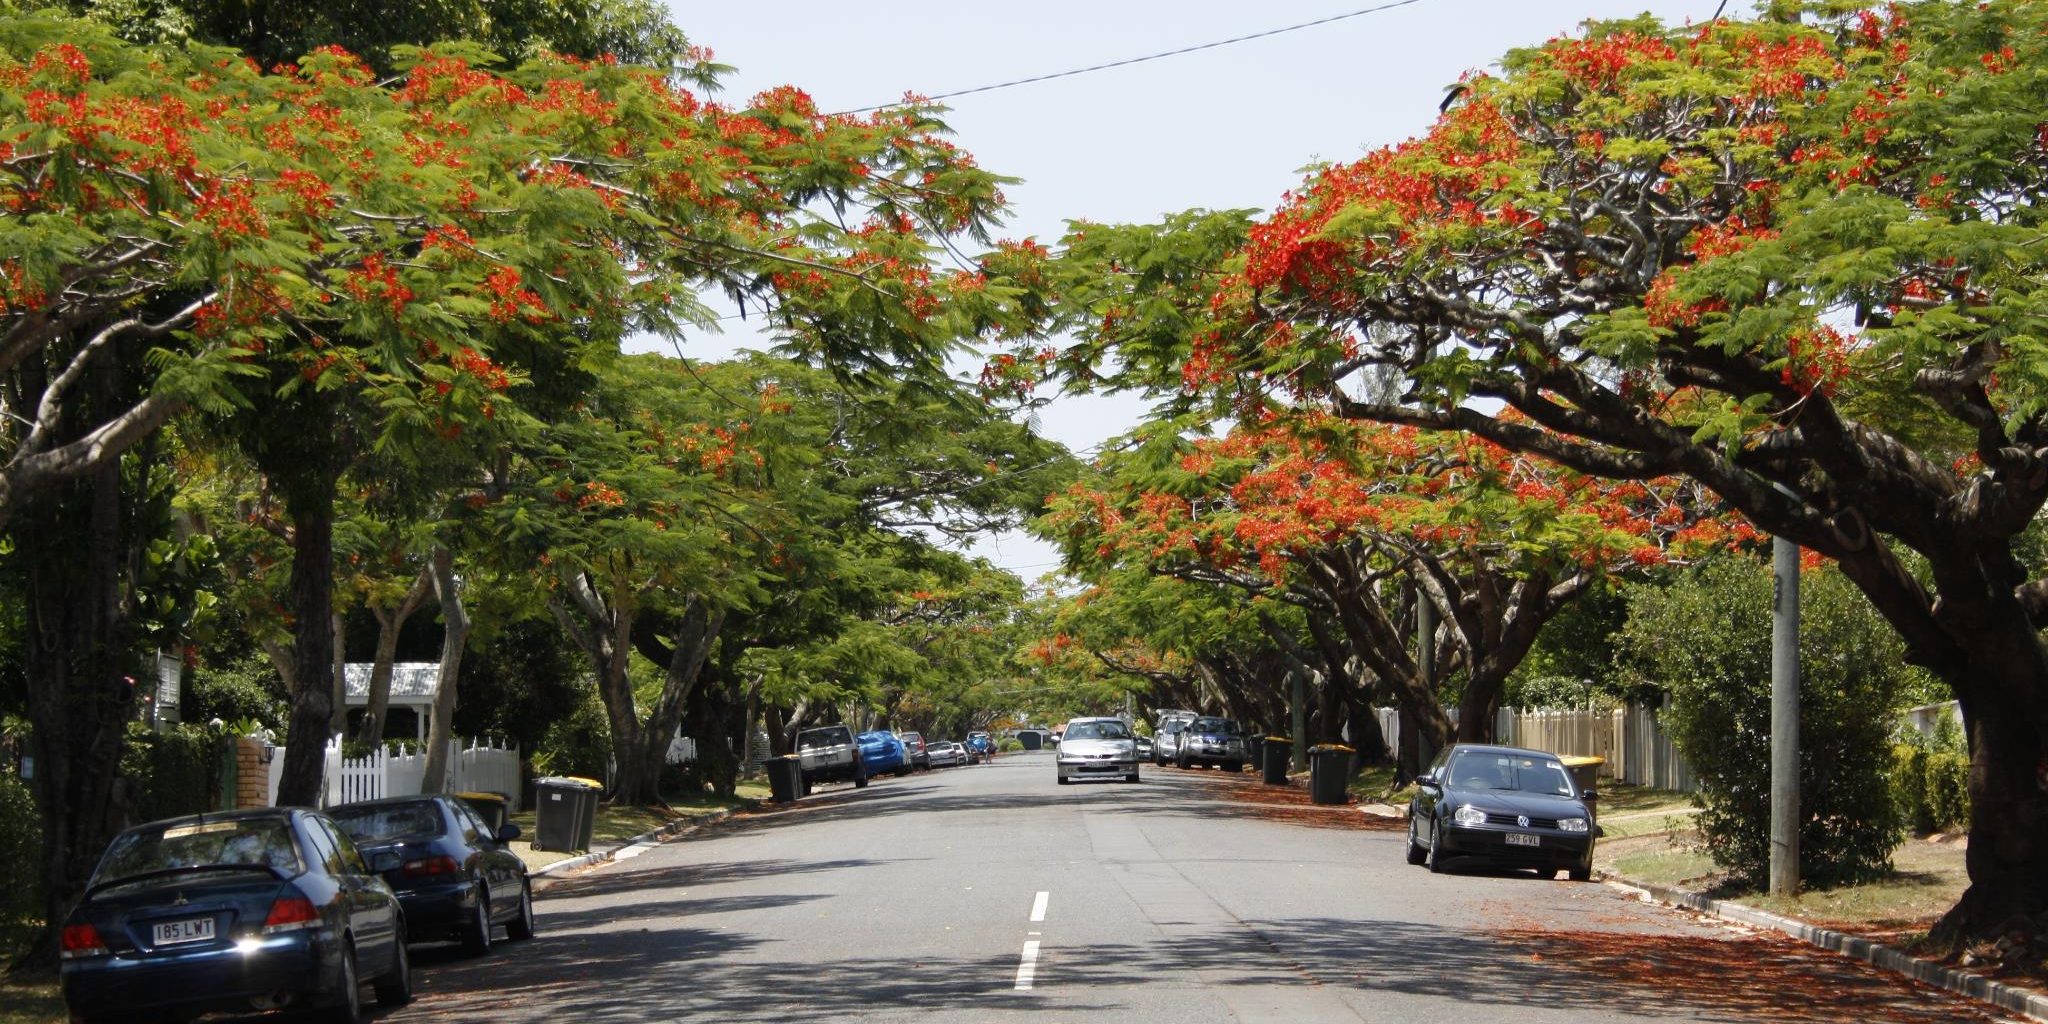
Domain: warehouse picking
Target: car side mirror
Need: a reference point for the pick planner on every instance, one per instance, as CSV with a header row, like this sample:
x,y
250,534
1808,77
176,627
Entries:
x,y
1428,780
1599,832
507,832
384,861
1591,794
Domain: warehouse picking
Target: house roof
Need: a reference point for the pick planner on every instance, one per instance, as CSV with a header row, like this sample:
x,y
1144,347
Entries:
x,y
413,683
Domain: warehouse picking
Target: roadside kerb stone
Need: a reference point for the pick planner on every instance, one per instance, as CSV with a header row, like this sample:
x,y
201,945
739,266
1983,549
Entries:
x,y
644,840
1999,994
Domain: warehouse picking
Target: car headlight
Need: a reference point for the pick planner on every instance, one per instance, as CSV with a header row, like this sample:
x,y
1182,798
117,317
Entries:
x,y
1571,824
1469,815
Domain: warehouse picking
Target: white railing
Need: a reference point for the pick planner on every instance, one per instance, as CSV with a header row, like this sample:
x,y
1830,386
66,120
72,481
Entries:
x,y
474,766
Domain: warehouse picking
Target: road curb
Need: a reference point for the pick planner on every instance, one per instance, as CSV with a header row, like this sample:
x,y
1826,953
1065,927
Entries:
x,y
1997,993
638,844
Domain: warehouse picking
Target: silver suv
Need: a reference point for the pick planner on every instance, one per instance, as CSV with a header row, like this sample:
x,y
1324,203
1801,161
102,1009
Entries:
x,y
1211,741
1166,736
829,754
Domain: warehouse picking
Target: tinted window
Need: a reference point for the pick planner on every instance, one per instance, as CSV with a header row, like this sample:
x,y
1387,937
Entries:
x,y
324,850
257,843
370,823
347,857
1214,726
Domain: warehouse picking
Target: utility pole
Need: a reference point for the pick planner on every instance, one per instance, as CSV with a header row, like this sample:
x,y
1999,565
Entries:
x,y
1784,717
1299,693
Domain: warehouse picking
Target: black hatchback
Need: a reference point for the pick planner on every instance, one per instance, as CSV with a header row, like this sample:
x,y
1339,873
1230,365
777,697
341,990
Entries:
x,y
454,874
248,910
1502,805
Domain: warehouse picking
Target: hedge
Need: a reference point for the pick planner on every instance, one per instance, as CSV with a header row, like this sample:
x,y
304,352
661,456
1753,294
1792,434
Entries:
x,y
1932,787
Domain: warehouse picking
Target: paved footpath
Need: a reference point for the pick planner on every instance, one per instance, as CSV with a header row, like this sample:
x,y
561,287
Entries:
x,y
989,893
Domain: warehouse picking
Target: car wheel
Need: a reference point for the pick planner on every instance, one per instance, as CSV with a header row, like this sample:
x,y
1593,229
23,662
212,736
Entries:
x,y
860,780
1434,860
1064,781
1581,872
348,1007
395,988
1233,767
476,936
521,927
1132,777
1416,853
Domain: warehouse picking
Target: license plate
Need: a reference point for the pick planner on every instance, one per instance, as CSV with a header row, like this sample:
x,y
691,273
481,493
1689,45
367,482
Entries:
x,y
191,929
1518,839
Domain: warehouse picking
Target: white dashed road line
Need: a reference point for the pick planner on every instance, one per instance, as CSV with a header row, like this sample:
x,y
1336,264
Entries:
x,y
1038,907
1027,968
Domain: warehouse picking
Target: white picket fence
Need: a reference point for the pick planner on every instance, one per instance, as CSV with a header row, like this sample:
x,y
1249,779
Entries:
x,y
1636,748
474,766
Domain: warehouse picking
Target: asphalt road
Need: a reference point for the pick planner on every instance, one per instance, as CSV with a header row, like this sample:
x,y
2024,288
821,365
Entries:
x,y
989,893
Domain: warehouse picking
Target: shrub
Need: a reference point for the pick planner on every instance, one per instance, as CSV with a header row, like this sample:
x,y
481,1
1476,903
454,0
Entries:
x,y
183,770
1931,781
1705,640
579,744
21,848
236,692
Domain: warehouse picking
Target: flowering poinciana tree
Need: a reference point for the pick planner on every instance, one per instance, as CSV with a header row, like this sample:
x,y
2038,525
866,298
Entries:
x,y
329,263
1355,523
1801,261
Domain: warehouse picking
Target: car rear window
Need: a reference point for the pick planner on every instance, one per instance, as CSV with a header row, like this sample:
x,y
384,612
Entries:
x,y
371,824
832,737
1223,726
256,843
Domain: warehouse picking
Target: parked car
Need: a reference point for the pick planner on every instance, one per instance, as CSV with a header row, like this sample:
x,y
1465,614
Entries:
x,y
1096,748
235,912
1144,748
829,754
1501,805
913,743
455,876
980,747
1166,742
1211,741
881,751
1167,726
947,754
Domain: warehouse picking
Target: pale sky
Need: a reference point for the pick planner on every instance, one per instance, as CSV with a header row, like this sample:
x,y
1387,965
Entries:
x,y
1222,128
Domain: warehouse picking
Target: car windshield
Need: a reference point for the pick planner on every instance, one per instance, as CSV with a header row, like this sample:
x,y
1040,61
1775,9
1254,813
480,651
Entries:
x,y
373,822
1098,731
248,842
1214,726
1514,772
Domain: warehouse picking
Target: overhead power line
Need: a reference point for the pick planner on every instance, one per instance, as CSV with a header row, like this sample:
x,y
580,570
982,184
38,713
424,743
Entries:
x,y
1162,55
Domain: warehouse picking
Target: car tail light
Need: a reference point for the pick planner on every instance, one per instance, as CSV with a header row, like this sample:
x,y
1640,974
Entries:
x,y
82,940
427,867
290,913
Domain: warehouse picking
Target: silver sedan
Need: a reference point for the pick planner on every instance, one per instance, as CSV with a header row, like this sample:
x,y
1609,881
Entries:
x,y
1097,748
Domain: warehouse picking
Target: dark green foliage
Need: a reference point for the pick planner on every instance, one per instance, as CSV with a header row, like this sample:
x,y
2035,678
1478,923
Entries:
x,y
182,770
21,844
1705,639
245,689
1931,787
579,744
518,683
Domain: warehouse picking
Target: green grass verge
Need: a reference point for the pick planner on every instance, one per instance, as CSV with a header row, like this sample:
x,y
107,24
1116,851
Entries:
x,y
618,824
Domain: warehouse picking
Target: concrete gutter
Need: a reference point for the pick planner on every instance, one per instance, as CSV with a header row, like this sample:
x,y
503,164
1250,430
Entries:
x,y
633,847
1997,993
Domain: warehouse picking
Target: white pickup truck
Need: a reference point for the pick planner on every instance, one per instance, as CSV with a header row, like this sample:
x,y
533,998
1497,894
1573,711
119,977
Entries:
x,y
829,754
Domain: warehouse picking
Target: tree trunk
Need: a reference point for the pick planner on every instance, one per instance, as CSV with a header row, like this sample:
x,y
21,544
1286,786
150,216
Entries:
x,y
75,652
390,620
337,722
309,500
454,639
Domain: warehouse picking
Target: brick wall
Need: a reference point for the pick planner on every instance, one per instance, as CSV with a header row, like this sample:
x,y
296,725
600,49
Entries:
x,y
252,776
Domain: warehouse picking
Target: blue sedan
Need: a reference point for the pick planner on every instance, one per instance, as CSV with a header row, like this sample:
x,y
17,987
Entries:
x,y
248,910
455,876
882,752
